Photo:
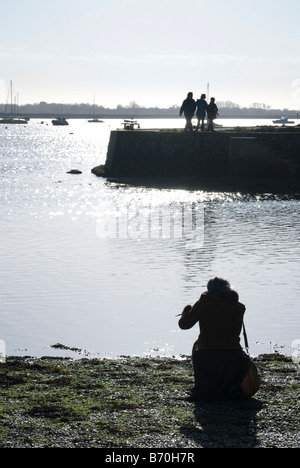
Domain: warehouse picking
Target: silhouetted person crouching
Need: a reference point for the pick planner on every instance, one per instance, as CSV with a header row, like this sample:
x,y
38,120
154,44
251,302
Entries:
x,y
218,358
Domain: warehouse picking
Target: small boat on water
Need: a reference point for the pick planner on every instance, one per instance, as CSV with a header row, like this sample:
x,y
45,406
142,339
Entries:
x,y
130,124
13,117
283,120
60,121
14,120
95,120
215,125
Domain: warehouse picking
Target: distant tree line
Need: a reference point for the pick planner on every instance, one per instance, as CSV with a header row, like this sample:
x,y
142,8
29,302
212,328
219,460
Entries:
x,y
226,109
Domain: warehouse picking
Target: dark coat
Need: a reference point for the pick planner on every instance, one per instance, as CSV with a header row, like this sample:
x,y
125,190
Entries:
x,y
220,320
201,107
212,111
188,107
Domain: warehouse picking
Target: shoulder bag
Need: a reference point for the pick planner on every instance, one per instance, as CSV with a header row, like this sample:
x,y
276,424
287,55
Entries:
x,y
250,382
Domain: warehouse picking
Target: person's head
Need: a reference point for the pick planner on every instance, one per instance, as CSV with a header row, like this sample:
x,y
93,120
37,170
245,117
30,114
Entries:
x,y
218,285
212,99
190,95
220,288
203,96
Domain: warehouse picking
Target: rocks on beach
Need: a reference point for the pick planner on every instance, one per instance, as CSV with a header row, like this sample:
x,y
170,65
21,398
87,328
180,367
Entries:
x,y
74,171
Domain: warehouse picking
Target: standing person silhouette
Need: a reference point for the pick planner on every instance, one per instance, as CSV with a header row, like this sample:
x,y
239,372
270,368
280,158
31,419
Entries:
x,y
188,109
212,112
201,105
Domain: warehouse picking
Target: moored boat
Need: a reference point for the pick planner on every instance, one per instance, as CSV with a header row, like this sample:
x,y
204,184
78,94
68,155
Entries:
x,y
60,121
95,120
130,124
283,120
14,120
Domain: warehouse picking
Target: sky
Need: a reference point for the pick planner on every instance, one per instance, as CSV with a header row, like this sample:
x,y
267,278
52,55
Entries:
x,y
151,52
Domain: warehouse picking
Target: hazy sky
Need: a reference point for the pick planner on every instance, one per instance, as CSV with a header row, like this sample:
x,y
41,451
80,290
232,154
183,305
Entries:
x,y
151,51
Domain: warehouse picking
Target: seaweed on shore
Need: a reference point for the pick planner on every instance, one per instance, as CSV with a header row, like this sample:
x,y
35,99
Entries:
x,y
140,402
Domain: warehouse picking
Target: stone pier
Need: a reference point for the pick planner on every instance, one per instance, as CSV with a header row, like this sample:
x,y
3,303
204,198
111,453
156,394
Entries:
x,y
221,160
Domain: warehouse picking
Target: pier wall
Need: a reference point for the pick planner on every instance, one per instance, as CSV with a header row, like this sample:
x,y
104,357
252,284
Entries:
x,y
203,156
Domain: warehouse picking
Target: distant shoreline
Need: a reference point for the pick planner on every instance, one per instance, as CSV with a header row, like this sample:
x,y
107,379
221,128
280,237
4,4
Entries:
x,y
139,116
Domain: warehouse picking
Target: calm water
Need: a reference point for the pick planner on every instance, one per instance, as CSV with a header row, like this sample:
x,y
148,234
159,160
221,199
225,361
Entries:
x,y
63,281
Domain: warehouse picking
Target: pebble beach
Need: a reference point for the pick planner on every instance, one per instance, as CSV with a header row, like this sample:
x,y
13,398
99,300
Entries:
x,y
139,403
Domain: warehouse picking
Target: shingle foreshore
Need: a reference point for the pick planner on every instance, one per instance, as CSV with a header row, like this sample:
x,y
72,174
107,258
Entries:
x,y
136,402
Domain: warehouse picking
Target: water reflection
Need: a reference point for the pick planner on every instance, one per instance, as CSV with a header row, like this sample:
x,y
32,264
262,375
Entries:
x,y
62,281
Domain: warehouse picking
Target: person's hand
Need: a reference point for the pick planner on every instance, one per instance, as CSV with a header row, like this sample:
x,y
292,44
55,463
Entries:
x,y
186,310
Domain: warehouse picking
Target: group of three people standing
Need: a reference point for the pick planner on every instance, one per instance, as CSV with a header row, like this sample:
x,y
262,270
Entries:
x,y
189,107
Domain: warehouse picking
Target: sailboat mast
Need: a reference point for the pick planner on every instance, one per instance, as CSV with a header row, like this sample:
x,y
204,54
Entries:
x,y
11,98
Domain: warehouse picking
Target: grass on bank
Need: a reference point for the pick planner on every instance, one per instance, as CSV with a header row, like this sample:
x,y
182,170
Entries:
x,y
139,402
